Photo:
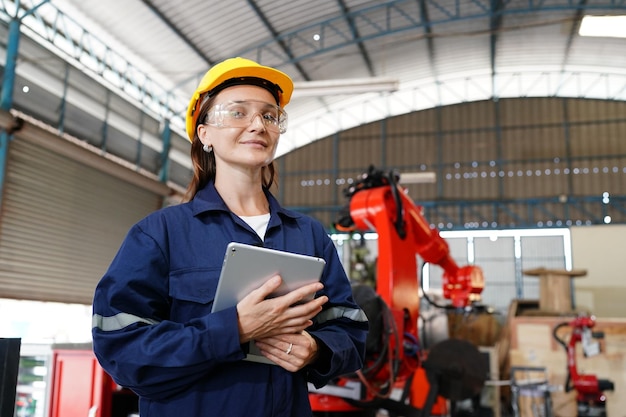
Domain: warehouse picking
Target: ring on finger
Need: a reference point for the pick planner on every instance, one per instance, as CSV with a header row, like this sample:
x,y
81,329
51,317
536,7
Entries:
x,y
289,348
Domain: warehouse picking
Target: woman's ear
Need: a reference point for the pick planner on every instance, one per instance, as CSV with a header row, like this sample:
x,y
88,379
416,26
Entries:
x,y
202,133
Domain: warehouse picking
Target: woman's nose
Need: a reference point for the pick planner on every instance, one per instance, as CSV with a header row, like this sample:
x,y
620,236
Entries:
x,y
257,121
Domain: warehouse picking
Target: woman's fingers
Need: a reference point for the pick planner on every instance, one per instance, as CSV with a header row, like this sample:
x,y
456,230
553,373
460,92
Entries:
x,y
260,316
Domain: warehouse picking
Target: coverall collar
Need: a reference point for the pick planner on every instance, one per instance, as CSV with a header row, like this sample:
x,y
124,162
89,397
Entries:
x,y
209,199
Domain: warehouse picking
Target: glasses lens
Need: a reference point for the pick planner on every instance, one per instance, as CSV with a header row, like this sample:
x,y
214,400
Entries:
x,y
242,113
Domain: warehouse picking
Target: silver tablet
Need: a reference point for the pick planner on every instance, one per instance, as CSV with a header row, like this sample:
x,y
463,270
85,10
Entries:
x,y
247,267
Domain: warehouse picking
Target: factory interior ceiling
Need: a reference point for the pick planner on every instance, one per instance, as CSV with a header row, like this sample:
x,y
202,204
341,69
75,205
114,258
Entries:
x,y
353,61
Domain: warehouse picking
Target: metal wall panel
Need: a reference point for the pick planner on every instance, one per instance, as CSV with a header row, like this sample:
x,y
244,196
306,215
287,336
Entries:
x,y
597,139
510,163
533,179
421,123
310,176
360,144
62,222
413,150
314,156
586,111
466,164
481,115
497,260
524,142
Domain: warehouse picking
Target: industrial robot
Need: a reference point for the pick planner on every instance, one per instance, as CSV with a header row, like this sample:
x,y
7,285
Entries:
x,y
590,397
399,375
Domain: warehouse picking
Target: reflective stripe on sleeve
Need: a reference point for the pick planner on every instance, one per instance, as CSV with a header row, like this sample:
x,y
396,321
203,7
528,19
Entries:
x,y
118,321
333,313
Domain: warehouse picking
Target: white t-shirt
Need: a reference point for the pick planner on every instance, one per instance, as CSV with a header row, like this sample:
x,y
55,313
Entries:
x,y
258,223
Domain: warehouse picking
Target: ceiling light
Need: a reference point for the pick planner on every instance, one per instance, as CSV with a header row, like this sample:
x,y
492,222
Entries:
x,y
603,26
345,86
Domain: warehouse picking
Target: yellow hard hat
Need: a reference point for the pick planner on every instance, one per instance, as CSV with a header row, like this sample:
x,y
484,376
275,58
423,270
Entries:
x,y
236,71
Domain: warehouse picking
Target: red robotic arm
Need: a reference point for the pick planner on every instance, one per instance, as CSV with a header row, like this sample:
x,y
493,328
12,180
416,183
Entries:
x,y
378,203
590,396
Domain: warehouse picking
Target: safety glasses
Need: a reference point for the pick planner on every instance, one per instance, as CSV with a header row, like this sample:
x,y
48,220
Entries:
x,y
242,113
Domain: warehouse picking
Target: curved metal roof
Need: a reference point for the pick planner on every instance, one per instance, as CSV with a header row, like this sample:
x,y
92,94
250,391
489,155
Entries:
x,y
440,52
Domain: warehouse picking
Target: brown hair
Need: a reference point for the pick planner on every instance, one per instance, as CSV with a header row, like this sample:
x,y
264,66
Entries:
x,y
204,162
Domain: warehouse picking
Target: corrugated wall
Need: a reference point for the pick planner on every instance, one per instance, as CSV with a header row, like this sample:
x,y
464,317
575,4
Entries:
x,y
487,151
63,219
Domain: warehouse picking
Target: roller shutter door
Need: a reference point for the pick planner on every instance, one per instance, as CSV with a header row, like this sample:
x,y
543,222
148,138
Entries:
x,y
62,222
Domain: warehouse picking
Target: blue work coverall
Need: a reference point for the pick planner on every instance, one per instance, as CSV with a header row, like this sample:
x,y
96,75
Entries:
x,y
153,330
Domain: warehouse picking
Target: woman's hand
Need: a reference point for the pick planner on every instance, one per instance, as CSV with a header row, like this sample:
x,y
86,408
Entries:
x,y
261,318
291,351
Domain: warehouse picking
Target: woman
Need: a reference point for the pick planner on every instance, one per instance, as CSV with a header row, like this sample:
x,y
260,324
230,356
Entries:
x,y
153,330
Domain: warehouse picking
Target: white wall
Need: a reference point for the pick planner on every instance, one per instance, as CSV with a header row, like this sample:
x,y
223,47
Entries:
x,y
601,251
40,322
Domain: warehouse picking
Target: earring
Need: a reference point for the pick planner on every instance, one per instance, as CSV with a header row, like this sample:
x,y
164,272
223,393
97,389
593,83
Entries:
x,y
207,148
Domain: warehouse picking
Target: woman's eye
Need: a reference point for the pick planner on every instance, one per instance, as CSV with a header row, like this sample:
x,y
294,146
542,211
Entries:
x,y
237,114
271,117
